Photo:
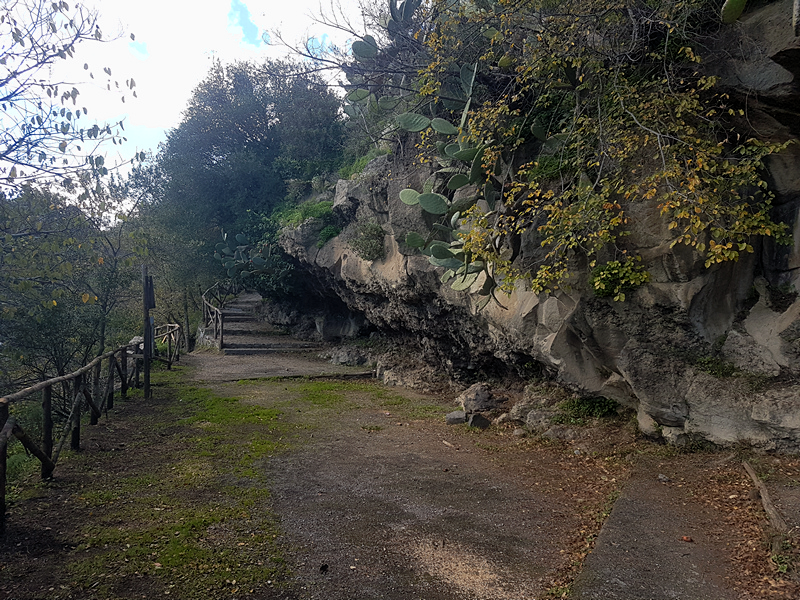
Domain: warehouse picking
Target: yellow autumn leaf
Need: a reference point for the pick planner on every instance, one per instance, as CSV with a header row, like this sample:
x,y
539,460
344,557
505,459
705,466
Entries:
x,y
85,298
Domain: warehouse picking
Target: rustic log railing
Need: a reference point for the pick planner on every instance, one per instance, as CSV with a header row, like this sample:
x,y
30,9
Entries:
x,y
87,388
213,321
170,335
214,300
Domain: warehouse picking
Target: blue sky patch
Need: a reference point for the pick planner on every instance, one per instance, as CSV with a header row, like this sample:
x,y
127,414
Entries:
x,y
139,49
318,46
239,15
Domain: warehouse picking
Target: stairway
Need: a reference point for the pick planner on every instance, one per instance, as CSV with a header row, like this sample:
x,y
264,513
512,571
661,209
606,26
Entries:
x,y
245,334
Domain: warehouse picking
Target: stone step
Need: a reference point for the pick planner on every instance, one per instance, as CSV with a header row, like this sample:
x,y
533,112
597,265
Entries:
x,y
257,350
251,331
278,346
239,318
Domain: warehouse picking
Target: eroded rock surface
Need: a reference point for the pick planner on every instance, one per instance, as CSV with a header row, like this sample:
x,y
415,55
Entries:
x,y
698,353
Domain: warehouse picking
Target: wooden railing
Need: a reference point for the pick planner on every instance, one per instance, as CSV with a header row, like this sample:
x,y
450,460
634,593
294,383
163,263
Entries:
x,y
84,387
170,335
214,300
213,321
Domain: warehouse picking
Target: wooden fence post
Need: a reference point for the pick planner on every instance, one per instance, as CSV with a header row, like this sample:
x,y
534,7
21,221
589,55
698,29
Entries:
x,y
75,440
123,390
95,394
169,352
148,302
3,419
136,370
110,382
47,424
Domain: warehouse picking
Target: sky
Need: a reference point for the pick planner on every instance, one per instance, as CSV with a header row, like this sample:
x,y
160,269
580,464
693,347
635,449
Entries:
x,y
174,46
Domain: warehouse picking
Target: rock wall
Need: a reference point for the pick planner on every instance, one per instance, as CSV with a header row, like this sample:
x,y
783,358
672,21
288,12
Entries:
x,y
670,350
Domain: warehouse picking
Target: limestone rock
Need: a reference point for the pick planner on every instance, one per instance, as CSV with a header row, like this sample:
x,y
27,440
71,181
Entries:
x,y
477,398
560,432
520,410
479,421
779,412
675,436
647,424
639,352
659,381
348,356
744,352
538,420
457,417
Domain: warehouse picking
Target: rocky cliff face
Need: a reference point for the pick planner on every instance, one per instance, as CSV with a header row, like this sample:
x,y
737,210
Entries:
x,y
698,353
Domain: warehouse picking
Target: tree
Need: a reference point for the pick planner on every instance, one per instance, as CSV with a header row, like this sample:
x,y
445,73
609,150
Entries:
x,y
44,255
247,130
66,270
45,131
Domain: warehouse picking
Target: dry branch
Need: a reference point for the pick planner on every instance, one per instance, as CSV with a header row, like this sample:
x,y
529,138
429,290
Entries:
x,y
776,521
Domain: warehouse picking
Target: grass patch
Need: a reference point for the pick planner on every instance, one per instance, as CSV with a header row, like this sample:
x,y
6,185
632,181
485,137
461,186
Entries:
x,y
228,411
578,411
715,366
192,520
183,507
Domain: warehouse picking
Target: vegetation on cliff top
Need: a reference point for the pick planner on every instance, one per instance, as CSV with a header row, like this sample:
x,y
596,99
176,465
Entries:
x,y
556,118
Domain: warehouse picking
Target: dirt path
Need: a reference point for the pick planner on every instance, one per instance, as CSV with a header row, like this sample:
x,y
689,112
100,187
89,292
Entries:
x,y
376,507
370,495
398,514
380,505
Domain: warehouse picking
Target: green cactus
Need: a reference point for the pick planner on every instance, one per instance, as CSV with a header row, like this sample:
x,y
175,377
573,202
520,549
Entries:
x,y
239,257
366,48
434,203
462,164
732,10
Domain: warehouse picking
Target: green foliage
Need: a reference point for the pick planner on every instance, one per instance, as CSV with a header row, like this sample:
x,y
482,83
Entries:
x,y
252,135
577,410
732,10
327,233
367,241
295,215
716,366
358,165
561,155
66,266
615,278
263,265
279,281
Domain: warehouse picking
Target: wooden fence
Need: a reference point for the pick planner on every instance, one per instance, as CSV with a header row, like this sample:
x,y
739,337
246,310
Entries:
x,y
170,335
85,388
214,300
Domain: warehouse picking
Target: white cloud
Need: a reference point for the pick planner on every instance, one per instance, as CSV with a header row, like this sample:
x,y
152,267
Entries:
x,y
175,43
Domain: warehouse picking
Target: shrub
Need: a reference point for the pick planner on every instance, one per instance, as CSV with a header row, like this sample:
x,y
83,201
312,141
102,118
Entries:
x,y
576,410
367,241
716,366
280,282
295,215
327,234
615,278
357,166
